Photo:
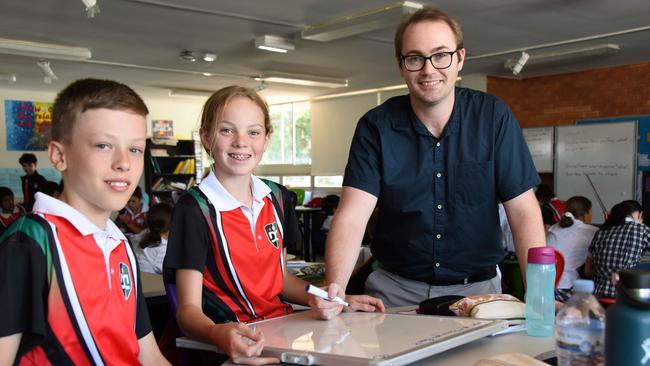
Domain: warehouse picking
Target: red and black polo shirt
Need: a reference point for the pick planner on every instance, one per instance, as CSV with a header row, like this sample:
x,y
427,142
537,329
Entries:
x,y
242,261
71,289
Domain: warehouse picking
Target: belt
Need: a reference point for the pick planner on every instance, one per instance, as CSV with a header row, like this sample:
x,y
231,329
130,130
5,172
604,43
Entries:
x,y
488,274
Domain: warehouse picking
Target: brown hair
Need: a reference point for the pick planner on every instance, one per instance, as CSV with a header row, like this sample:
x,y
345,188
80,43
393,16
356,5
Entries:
x,y
423,15
159,219
219,100
86,94
578,206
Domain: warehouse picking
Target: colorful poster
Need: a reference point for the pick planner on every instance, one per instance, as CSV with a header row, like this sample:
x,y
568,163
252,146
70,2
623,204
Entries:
x,y
162,129
28,125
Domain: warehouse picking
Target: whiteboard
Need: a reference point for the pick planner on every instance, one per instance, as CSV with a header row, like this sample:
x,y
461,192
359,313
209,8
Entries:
x,y
607,153
540,144
358,338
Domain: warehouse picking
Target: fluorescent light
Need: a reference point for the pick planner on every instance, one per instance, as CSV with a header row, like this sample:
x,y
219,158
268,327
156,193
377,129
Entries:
x,y
43,50
358,23
303,80
274,44
573,53
189,93
11,78
209,57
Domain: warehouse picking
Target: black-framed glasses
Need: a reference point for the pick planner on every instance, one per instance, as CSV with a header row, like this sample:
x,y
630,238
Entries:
x,y
439,60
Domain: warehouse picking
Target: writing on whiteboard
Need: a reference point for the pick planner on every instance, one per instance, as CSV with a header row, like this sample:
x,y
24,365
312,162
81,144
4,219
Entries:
x,y
602,170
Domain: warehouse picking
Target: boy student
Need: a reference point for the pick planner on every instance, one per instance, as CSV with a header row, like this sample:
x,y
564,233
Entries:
x,y
10,211
68,281
133,218
31,181
226,249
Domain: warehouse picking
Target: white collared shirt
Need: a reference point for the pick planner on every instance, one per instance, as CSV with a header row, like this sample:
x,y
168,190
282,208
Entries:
x,y
573,242
224,201
107,239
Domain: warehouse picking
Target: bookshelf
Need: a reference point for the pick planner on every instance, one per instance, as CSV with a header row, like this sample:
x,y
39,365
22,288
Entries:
x,y
174,165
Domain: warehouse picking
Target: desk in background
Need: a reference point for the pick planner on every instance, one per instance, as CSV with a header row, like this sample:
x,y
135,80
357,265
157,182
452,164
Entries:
x,y
306,213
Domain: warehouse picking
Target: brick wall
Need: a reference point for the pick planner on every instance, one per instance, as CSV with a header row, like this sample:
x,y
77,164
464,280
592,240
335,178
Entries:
x,y
563,99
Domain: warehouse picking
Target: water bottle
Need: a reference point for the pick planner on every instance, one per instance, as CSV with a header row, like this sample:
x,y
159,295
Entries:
x,y
580,328
627,335
540,297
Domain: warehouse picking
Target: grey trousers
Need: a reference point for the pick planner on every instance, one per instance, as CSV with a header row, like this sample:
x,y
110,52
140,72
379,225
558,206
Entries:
x,y
395,291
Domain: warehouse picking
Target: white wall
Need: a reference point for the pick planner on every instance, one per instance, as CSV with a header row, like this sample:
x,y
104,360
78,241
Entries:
x,y
185,112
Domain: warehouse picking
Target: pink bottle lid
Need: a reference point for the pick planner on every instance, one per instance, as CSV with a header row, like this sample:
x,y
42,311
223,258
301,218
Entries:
x,y
541,255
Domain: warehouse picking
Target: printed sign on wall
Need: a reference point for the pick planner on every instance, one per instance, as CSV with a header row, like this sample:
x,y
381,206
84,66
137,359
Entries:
x,y
28,125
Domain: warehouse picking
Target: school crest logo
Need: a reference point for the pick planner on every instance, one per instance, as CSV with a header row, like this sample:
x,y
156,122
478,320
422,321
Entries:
x,y
272,234
125,280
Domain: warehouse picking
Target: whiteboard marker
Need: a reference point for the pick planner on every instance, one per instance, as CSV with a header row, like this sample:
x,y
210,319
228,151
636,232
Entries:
x,y
323,294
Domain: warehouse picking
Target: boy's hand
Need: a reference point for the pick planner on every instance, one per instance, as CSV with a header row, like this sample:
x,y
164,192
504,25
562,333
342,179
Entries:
x,y
241,343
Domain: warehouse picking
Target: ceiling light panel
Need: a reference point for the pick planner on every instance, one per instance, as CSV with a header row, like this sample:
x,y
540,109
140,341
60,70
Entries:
x,y
274,44
359,23
43,50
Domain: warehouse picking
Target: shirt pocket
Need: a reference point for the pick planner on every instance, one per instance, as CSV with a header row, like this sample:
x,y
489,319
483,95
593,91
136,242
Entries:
x,y
474,183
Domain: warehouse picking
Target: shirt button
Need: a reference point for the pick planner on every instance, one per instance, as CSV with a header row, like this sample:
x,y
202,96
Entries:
x,y
439,207
259,237
438,175
438,236
112,271
437,264
437,144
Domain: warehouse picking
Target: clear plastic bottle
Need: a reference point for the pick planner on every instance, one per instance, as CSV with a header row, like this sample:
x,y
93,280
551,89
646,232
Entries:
x,y
540,300
580,328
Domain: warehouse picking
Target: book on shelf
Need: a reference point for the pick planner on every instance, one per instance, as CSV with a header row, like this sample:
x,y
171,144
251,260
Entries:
x,y
179,167
158,152
156,184
155,165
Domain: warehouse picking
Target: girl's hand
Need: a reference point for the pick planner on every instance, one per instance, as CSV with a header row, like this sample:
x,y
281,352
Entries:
x,y
241,343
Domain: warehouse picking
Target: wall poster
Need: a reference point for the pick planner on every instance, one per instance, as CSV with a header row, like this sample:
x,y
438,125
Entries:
x,y
27,125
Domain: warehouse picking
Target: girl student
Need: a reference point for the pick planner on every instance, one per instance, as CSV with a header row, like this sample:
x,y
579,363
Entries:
x,y
572,236
150,244
618,244
226,246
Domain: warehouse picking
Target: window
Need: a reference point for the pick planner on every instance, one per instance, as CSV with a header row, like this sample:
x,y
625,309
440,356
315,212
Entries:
x,y
297,181
328,181
291,139
273,178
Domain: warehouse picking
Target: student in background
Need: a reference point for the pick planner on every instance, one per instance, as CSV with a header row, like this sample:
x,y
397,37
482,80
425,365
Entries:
x,y
617,245
10,210
31,181
76,299
133,219
572,236
150,244
552,207
226,249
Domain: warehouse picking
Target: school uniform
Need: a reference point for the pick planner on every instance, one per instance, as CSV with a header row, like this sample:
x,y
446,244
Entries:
x,y
7,218
138,219
616,248
31,184
242,258
71,289
573,242
150,259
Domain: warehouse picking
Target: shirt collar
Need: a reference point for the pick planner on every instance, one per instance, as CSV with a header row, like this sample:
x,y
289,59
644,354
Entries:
x,y
52,206
222,199
398,122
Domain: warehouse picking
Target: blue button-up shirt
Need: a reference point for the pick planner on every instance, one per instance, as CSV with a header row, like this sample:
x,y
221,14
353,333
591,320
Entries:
x,y
438,215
